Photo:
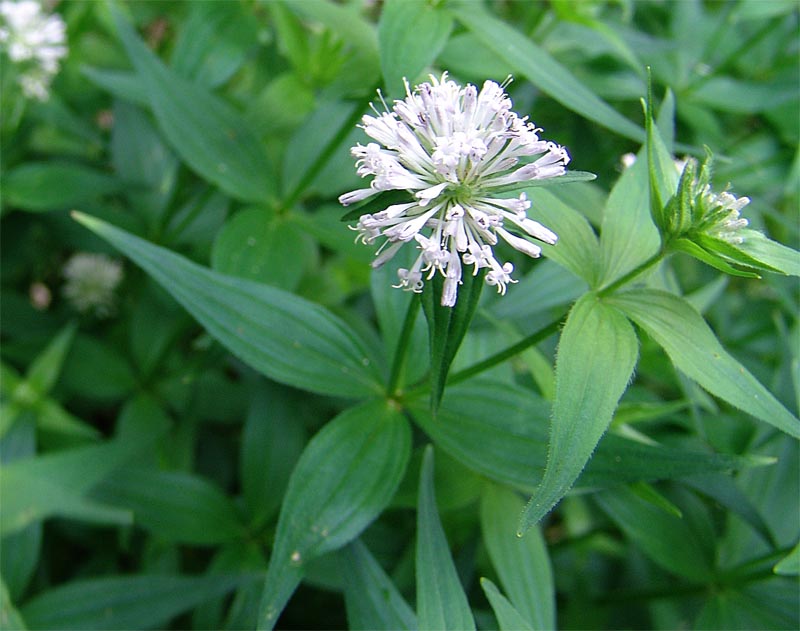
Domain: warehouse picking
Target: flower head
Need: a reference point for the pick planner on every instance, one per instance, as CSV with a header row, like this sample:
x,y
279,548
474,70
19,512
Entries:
x,y
454,149
719,215
34,41
91,281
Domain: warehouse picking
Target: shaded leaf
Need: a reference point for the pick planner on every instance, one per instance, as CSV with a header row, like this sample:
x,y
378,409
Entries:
x,y
507,616
208,134
124,602
286,337
441,601
695,351
46,186
410,36
371,598
522,563
524,56
345,477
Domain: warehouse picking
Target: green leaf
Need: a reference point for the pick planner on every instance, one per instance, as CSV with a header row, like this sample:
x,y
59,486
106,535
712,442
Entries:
x,y
441,601
271,445
287,338
122,84
448,325
500,431
680,545
262,246
696,352
790,564
57,484
44,370
410,37
709,258
595,359
10,618
522,564
371,598
577,250
124,602
508,617
525,57
214,41
770,252
46,186
173,505
207,133
629,236
346,476
358,33
140,155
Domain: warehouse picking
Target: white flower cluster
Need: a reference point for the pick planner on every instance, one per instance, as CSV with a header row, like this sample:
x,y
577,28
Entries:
x,y
91,281
721,215
454,149
33,40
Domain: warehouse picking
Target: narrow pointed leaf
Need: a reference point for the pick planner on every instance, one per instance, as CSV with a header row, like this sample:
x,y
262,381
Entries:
x,y
709,258
595,360
287,338
441,601
508,617
45,369
790,564
500,431
522,563
124,602
371,598
696,352
207,133
771,253
676,543
346,476
525,57
410,37
57,484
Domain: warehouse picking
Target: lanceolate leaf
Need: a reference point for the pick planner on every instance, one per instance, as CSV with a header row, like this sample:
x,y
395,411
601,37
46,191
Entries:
x,y
286,337
543,71
500,431
372,600
208,134
346,476
695,351
124,602
507,616
441,602
522,563
596,356
410,36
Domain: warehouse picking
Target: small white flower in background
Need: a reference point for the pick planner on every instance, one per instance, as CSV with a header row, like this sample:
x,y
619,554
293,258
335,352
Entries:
x,y
454,149
91,281
35,41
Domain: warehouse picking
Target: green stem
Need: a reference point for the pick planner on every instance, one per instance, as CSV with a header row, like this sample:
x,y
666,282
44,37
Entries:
x,y
639,269
401,350
508,353
497,358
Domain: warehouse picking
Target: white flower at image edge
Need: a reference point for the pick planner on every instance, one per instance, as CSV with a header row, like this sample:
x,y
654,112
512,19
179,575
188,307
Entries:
x,y
454,149
33,40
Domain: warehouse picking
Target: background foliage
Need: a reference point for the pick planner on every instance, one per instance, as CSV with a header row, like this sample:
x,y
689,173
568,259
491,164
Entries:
x,y
223,452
